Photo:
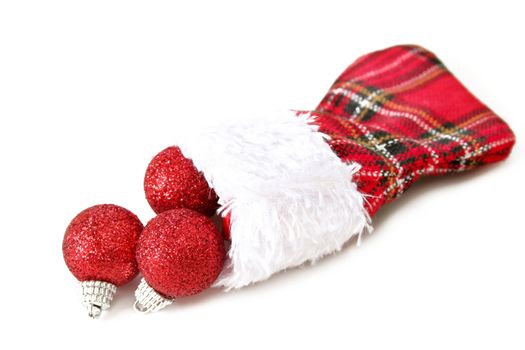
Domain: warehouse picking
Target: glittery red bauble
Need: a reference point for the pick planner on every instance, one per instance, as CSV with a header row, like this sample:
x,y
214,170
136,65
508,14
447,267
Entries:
x,y
172,181
180,253
99,244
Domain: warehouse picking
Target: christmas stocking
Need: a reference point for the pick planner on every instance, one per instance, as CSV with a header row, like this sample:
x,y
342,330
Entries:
x,y
296,187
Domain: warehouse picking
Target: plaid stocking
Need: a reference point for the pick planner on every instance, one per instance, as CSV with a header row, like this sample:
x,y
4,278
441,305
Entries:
x,y
401,114
297,187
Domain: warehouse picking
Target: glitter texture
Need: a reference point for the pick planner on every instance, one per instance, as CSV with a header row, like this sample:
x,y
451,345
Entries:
x,y
172,182
99,244
180,253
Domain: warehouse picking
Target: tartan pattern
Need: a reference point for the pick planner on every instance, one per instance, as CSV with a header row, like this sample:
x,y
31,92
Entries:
x,y
401,114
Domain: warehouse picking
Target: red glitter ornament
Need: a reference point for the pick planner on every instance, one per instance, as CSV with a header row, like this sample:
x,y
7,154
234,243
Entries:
x,y
172,182
99,250
180,253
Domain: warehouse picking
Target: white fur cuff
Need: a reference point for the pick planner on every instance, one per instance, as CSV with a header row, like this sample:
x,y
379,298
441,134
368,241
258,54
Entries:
x,y
291,198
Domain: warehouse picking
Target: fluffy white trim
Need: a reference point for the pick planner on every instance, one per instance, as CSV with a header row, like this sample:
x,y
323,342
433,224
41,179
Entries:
x,y
291,198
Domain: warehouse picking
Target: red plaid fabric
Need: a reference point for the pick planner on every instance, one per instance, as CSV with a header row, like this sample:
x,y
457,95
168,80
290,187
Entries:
x,y
401,114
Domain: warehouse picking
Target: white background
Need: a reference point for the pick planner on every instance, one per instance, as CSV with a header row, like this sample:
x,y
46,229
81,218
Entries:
x,y
91,90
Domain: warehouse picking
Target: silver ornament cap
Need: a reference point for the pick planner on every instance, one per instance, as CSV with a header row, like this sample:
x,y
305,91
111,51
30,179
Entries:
x,y
97,296
148,300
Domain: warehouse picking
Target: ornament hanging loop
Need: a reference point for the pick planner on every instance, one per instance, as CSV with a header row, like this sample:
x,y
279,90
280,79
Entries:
x,y
94,311
137,306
